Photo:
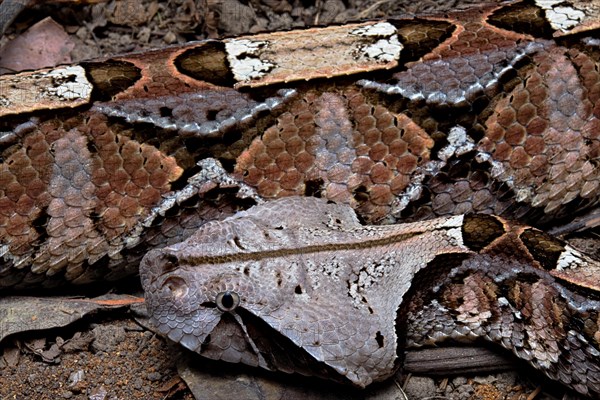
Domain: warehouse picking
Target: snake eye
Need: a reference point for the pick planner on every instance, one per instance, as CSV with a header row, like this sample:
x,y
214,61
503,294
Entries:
x,y
227,301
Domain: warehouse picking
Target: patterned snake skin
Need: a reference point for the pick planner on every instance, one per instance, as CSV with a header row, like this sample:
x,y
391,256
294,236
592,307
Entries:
x,y
491,110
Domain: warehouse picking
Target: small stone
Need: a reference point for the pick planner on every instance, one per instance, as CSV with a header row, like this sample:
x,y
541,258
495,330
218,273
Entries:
x,y
153,376
125,40
170,38
459,381
11,356
419,387
76,377
82,33
509,378
138,383
465,389
98,393
144,34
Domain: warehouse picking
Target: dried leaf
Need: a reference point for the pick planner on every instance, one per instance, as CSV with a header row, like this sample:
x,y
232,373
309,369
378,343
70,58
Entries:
x,y
20,314
45,44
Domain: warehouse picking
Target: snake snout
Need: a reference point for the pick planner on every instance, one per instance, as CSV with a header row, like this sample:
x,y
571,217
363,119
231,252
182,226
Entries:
x,y
166,278
155,264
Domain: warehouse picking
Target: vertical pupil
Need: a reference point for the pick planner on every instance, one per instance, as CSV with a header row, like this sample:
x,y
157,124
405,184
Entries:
x,y
227,300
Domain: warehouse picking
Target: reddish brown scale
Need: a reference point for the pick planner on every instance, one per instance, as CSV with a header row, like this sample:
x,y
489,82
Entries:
x,y
24,178
55,177
340,139
546,130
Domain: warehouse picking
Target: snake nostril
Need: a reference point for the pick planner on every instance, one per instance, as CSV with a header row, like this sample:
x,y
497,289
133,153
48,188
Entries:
x,y
169,263
176,285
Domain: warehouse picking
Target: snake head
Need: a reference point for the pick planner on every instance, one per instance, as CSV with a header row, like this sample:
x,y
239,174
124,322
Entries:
x,y
247,290
267,321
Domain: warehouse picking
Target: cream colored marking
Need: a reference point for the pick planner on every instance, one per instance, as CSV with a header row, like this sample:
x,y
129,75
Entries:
x,y
452,222
211,173
72,84
412,192
17,261
459,143
306,54
44,90
569,259
3,249
498,171
561,18
571,16
379,29
386,49
245,61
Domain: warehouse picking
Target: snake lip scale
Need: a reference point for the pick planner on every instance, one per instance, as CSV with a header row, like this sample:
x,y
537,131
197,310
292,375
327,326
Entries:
x,y
477,129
